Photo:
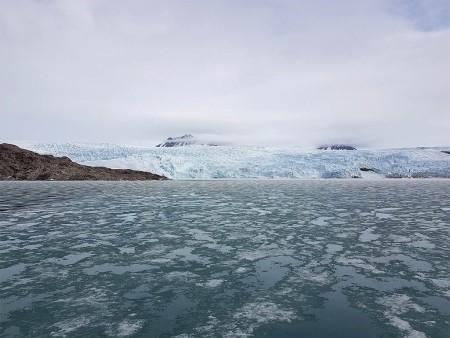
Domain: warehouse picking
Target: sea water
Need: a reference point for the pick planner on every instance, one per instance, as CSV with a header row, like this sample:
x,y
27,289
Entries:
x,y
341,258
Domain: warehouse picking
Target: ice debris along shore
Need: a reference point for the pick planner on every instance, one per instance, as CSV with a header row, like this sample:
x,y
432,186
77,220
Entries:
x,y
233,162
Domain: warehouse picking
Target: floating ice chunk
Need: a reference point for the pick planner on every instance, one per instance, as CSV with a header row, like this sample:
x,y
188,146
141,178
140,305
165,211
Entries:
x,y
213,283
201,235
185,254
321,221
368,236
161,260
264,313
32,246
68,326
442,283
128,217
126,328
332,248
404,326
252,315
396,305
400,239
422,244
381,215
127,250
181,275
261,212
418,234
253,255
358,263
387,209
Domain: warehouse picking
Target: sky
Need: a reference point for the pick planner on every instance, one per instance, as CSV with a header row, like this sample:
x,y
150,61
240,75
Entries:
x,y
374,74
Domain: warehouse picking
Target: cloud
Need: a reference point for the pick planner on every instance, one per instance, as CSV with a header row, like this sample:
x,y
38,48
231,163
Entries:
x,y
257,72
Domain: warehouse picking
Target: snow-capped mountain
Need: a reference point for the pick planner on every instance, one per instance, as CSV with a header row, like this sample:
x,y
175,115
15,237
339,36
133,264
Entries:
x,y
182,141
255,162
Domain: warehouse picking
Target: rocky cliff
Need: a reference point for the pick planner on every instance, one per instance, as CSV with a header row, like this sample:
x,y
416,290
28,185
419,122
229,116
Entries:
x,y
20,164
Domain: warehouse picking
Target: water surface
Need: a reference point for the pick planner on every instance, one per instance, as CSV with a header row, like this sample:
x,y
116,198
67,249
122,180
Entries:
x,y
225,258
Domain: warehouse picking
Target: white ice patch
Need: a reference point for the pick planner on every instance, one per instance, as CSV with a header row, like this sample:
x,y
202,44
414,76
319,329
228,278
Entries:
x,y
68,326
442,283
358,263
127,250
264,313
399,304
261,212
181,275
213,283
127,328
405,327
258,254
381,215
333,248
128,217
400,239
185,254
32,246
368,235
161,260
422,244
387,209
253,315
200,235
307,274
321,221
396,305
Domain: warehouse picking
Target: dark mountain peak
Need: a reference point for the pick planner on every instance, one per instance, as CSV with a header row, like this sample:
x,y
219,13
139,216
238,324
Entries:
x,y
337,147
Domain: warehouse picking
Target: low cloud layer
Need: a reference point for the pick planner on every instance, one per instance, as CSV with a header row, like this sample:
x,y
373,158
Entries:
x,y
302,73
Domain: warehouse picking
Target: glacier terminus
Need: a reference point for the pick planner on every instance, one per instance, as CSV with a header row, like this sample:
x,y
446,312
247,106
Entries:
x,y
239,162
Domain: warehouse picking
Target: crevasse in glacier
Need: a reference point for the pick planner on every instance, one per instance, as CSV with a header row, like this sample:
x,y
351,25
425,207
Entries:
x,y
201,162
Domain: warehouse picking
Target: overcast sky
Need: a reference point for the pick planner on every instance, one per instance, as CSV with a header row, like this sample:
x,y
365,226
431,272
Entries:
x,y
263,72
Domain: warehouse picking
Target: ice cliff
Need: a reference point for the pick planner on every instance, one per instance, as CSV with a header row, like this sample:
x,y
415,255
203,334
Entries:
x,y
202,162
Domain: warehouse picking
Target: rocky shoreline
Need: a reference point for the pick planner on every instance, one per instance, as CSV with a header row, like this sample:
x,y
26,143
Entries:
x,y
24,165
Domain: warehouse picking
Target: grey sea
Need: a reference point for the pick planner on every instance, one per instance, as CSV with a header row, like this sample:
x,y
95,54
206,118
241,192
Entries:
x,y
338,258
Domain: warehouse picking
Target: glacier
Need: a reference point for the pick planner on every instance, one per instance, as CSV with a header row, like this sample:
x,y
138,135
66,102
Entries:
x,y
238,162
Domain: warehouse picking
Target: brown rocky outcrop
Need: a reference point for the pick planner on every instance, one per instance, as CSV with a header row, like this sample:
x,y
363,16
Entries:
x,y
20,164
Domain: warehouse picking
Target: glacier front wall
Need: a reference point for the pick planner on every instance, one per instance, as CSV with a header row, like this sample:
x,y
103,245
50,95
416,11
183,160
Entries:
x,y
224,162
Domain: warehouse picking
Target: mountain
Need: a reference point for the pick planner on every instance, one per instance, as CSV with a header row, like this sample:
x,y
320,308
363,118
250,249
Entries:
x,y
20,164
337,147
256,162
182,141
